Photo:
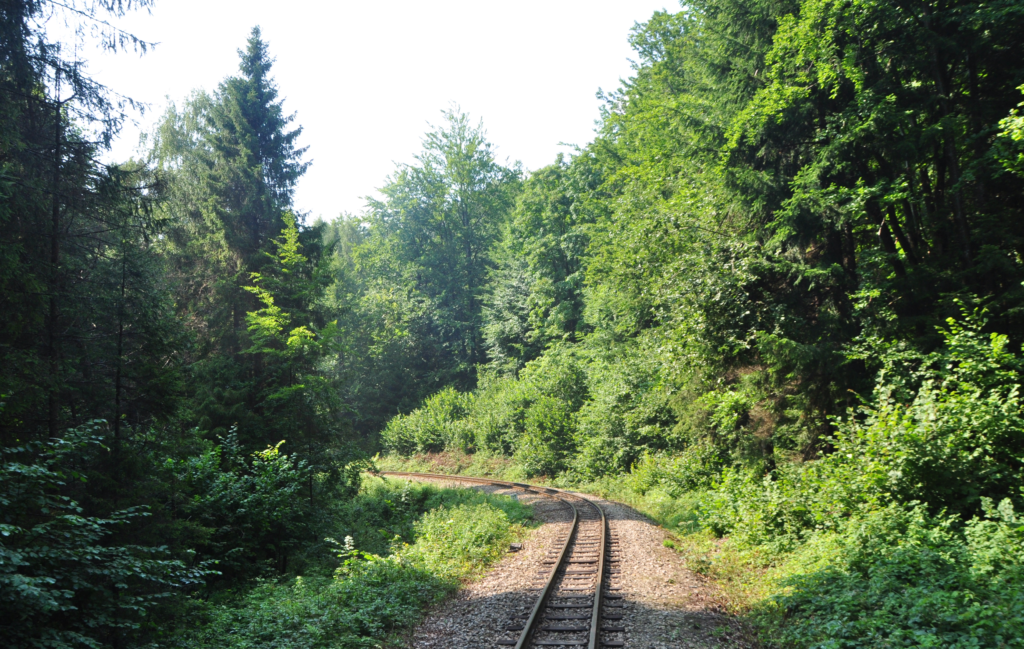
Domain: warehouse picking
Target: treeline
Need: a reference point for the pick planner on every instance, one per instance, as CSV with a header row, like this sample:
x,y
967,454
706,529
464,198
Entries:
x,y
169,423
780,193
779,213
781,290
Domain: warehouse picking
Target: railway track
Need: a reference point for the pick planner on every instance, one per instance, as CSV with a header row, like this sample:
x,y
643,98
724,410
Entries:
x,y
578,603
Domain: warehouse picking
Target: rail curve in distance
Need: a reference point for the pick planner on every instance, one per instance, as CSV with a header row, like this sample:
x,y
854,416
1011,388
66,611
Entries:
x,y
577,604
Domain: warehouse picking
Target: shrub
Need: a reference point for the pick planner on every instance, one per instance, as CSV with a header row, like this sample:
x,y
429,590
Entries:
x,y
63,583
958,439
533,417
906,579
499,414
254,507
432,427
696,468
954,439
918,555
443,536
572,409
547,437
627,413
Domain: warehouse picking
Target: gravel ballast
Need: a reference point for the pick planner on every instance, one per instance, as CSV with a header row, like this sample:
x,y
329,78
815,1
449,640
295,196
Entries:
x,y
665,605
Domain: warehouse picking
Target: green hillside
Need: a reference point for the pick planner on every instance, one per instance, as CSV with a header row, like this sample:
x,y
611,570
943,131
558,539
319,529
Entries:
x,y
777,304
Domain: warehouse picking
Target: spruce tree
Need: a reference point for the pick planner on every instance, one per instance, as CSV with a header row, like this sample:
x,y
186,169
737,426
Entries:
x,y
232,164
255,160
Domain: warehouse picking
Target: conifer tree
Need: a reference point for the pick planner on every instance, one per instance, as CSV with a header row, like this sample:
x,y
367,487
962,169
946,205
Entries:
x,y
232,164
255,161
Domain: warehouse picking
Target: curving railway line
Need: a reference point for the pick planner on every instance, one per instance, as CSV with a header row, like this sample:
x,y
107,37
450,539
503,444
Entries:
x,y
578,603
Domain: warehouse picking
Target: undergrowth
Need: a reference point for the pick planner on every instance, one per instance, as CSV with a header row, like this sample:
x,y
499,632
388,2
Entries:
x,y
906,534
406,546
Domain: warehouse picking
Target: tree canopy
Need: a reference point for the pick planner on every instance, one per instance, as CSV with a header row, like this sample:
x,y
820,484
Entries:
x,y
783,285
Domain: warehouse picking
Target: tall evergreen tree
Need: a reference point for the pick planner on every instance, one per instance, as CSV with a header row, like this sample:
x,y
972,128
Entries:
x,y
59,207
231,165
255,162
85,334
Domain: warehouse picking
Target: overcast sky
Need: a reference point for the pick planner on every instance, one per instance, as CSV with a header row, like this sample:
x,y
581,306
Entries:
x,y
366,78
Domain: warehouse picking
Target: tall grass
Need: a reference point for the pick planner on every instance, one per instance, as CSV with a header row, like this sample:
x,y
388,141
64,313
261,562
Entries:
x,y
410,545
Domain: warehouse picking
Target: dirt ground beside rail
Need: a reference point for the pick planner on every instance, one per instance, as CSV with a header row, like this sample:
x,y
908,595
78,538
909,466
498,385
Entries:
x,y
666,605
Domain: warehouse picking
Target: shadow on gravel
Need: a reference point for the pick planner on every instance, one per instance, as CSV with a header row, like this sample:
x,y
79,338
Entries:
x,y
479,622
673,610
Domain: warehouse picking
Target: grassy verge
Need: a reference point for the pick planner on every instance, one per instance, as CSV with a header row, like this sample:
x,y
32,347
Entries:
x,y
406,546
891,575
745,576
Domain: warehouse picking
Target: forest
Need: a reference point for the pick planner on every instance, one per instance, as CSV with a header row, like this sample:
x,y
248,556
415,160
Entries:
x,y
777,304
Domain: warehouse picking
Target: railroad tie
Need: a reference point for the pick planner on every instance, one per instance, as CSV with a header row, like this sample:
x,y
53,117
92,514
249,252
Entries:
x,y
586,549
564,629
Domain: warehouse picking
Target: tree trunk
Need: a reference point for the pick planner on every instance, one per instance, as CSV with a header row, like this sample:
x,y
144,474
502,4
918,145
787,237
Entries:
x,y
52,332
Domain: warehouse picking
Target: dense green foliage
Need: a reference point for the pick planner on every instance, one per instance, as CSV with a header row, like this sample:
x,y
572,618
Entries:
x,y
60,582
785,205
425,541
777,299
162,337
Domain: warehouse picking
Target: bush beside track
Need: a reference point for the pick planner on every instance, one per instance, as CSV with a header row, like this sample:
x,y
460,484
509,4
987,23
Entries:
x,y
410,545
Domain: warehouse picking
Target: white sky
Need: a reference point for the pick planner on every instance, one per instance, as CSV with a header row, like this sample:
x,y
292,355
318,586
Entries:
x,y
365,78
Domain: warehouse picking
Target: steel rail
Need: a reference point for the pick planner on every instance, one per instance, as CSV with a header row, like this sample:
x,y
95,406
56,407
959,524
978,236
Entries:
x,y
537,613
595,618
526,637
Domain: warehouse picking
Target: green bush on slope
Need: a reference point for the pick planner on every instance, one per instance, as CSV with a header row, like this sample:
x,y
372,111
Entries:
x,y
893,538
574,409
947,434
902,578
432,427
430,540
